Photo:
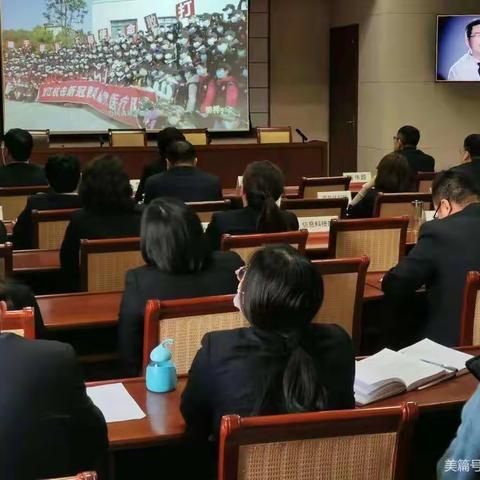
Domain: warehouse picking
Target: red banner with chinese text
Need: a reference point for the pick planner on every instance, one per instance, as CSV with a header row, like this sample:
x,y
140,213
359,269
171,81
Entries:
x,y
120,103
185,9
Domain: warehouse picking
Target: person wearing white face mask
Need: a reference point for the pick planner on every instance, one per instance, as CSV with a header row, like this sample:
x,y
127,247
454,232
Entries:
x,y
222,90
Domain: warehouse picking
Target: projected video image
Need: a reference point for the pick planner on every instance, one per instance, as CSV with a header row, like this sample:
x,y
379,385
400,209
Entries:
x,y
90,65
458,48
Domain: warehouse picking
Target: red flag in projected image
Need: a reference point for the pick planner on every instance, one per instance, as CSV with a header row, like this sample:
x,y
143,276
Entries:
x,y
185,9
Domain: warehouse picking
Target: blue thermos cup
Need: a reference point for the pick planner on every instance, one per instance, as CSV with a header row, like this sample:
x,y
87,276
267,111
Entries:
x,y
161,371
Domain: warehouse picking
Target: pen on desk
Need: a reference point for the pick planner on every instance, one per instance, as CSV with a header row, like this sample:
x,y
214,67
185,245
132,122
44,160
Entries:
x,y
446,367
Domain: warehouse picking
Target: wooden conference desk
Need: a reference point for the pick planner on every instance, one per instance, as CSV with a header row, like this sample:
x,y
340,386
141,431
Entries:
x,y
164,422
227,161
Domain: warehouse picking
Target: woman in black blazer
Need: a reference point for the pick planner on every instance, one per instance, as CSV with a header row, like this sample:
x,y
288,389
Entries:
x,y
394,175
108,212
179,264
281,364
263,184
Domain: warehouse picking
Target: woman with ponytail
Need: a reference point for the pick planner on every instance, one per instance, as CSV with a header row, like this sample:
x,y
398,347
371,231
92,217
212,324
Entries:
x,y
263,184
282,363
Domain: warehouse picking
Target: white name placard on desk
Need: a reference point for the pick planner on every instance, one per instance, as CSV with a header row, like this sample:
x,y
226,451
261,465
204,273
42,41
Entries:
x,y
205,226
359,177
134,184
315,224
429,215
239,182
337,194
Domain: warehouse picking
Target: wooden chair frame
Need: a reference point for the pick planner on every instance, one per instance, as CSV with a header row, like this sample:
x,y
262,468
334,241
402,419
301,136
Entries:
x,y
323,182
337,226
236,431
467,320
44,216
41,138
357,265
315,203
26,192
6,253
424,177
261,130
210,207
390,198
298,237
113,131
20,320
157,310
197,131
108,245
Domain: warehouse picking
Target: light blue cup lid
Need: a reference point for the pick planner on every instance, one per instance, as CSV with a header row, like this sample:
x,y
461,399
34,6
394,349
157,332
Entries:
x,y
161,353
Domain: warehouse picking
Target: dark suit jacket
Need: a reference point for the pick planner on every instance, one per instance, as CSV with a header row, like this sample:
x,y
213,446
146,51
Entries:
x,y
240,222
20,174
189,184
364,208
147,282
446,250
232,368
149,171
86,224
418,161
472,170
3,233
49,427
23,229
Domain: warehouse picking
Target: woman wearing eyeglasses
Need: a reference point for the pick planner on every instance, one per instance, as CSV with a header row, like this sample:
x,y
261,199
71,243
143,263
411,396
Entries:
x,y
282,363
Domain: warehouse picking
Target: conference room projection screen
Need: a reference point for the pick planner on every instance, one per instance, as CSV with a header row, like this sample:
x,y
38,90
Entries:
x,y
83,66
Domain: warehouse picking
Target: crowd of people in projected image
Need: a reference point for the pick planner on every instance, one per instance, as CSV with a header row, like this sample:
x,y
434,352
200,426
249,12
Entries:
x,y
198,68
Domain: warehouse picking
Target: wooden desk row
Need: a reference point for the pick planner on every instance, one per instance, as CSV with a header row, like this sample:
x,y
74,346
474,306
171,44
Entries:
x,y
164,422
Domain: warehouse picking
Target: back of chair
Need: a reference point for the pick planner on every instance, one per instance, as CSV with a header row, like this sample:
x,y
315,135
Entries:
x,y
396,204
6,261
361,444
343,286
41,138
20,322
205,210
274,134
328,207
127,137
187,321
14,199
49,227
381,239
196,136
425,180
246,245
310,187
104,263
470,320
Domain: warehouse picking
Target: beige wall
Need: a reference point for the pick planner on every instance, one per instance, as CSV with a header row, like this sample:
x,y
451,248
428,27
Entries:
x,y
396,78
299,65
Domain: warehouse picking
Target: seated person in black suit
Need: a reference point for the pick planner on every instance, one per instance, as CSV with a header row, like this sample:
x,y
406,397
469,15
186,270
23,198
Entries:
x,y
263,184
63,174
183,180
394,175
108,212
49,427
179,264
164,138
406,142
17,170
471,159
447,249
282,363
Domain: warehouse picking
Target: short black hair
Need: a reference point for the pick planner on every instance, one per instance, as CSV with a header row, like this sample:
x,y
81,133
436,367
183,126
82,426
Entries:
x,y
63,173
19,144
166,136
105,185
469,27
172,237
455,186
409,135
471,144
181,152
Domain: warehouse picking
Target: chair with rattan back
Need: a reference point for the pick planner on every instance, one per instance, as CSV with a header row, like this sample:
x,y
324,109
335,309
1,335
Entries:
x,y
104,263
49,227
187,321
196,136
14,199
424,181
6,261
315,207
205,210
19,322
470,319
127,137
360,444
310,187
274,134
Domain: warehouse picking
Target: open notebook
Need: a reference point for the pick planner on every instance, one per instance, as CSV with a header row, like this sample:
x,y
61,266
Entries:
x,y
389,373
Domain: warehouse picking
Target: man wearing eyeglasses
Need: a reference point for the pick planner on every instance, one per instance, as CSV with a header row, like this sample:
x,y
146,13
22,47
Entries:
x,y
467,68
447,249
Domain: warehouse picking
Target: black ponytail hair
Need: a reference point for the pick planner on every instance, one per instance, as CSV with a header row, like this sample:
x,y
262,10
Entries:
x,y
282,293
263,183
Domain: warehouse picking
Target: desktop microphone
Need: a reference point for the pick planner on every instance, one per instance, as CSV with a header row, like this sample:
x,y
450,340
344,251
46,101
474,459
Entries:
x,y
302,135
